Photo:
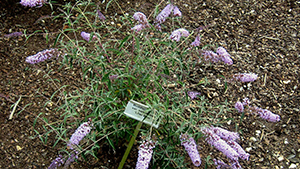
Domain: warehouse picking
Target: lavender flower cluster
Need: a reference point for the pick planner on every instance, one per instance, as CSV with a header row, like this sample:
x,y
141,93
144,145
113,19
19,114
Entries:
x,y
243,77
220,55
86,36
193,94
225,141
263,113
161,17
57,162
77,136
145,154
100,15
42,56
14,34
33,3
221,165
165,13
191,148
176,35
196,42
143,22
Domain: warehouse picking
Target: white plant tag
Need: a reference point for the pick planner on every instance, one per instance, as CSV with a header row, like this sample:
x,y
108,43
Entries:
x,y
137,110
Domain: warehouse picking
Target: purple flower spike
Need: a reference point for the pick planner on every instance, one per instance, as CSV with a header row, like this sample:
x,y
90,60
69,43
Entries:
x,y
138,28
177,12
220,164
227,60
244,77
158,27
242,154
214,140
193,94
236,165
224,55
210,56
239,106
176,35
246,101
42,56
14,34
79,134
225,134
32,3
86,36
184,32
71,159
57,162
145,154
265,114
196,41
139,16
101,16
162,16
191,148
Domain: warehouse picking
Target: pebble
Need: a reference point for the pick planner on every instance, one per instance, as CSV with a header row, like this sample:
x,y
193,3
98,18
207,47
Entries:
x,y
248,149
286,141
253,139
229,122
19,148
293,166
257,132
280,158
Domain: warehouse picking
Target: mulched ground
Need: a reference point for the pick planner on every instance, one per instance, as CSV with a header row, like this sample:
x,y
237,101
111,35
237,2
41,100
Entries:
x,y
262,37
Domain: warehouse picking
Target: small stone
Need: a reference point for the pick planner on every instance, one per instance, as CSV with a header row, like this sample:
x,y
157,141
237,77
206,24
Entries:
x,y
280,158
286,141
257,132
19,148
292,166
248,149
253,139
249,85
229,122
171,85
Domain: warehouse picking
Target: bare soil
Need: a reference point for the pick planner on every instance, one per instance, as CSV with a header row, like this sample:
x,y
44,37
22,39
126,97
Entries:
x,y
262,37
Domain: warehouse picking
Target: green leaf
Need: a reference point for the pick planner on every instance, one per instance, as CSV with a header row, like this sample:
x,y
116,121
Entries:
x,y
56,39
34,122
107,5
110,142
123,41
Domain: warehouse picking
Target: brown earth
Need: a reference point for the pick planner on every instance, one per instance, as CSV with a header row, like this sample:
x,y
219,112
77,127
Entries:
x,y
262,37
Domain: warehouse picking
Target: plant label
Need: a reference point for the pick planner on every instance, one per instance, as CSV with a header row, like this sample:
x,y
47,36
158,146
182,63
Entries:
x,y
138,112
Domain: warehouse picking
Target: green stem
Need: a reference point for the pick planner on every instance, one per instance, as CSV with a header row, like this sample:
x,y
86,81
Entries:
x,y
136,131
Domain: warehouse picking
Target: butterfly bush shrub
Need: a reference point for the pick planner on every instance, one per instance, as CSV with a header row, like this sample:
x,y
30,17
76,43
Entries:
x,y
148,61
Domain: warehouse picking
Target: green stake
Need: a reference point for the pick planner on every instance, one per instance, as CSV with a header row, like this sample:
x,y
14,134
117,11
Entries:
x,y
136,131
